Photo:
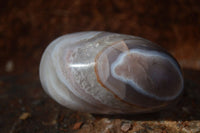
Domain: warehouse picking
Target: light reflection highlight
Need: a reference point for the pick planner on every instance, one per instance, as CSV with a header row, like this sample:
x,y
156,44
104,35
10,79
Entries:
x,y
82,65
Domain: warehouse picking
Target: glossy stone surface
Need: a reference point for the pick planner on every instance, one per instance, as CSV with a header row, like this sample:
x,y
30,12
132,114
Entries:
x,y
109,73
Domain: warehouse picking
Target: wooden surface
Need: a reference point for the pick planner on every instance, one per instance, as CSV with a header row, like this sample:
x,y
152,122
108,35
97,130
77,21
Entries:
x,y
27,27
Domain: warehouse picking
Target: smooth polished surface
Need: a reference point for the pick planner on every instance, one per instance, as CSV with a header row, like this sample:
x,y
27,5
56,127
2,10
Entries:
x,y
109,73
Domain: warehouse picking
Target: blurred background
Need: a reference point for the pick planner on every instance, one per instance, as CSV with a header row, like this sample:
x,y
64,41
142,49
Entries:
x,y
27,27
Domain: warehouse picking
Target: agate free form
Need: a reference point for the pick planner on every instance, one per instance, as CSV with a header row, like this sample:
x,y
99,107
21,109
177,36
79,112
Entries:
x,y
110,73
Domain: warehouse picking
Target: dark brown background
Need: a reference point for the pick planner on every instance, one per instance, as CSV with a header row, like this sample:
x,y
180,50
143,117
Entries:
x,y
27,27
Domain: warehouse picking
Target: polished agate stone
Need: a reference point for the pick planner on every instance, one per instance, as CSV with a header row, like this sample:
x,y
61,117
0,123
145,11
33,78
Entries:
x,y
110,73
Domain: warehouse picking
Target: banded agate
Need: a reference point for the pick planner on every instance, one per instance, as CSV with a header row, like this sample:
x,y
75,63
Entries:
x,y
110,73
